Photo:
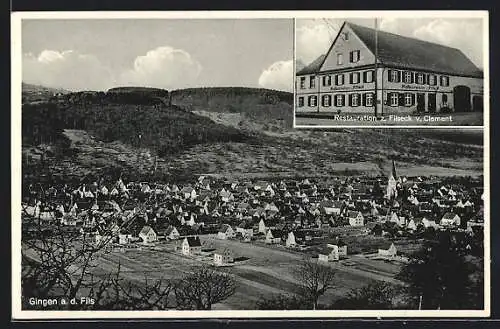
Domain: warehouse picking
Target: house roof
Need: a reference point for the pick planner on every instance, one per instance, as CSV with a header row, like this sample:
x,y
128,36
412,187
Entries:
x,y
449,215
194,241
145,230
400,51
313,67
405,52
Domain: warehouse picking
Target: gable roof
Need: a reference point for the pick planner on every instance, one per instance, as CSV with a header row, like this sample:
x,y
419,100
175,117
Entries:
x,y
194,241
313,67
405,52
400,51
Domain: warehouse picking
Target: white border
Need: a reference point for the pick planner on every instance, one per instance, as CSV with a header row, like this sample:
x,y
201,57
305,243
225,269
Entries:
x,y
483,14
16,139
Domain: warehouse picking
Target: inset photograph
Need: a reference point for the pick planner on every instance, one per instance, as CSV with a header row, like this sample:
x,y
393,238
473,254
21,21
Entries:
x,y
390,71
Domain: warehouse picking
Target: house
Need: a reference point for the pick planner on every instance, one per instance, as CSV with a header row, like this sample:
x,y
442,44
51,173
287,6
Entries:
x,y
450,219
273,236
246,229
222,257
331,207
290,240
225,232
329,253
262,226
341,246
188,192
355,218
388,251
429,223
171,233
191,246
343,79
124,238
148,235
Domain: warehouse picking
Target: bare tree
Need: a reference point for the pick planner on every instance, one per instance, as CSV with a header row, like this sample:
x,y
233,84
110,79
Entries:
x,y
203,287
315,280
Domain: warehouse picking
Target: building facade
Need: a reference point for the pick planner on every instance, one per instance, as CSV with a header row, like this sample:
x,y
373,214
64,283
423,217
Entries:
x,y
410,75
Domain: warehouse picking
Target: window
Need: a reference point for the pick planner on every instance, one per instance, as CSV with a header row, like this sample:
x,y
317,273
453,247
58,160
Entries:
x,y
444,99
346,36
408,99
340,59
354,99
327,80
312,81
339,79
420,78
301,102
393,99
326,100
302,82
312,101
339,100
354,56
394,76
368,76
445,81
407,77
432,80
369,99
354,77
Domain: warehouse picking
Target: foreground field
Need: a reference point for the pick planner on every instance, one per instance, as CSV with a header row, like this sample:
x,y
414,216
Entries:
x,y
268,270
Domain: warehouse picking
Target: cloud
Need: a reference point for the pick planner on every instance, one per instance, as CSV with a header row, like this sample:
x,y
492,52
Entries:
x,y
313,40
278,76
67,69
163,67
465,35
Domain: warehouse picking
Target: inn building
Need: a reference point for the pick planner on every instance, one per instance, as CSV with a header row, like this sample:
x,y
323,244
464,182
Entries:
x,y
408,76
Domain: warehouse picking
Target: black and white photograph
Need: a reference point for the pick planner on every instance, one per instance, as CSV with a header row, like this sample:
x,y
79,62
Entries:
x,y
157,169
387,71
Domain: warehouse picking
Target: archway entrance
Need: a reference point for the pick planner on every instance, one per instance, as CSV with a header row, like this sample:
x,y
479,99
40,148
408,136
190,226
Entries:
x,y
461,99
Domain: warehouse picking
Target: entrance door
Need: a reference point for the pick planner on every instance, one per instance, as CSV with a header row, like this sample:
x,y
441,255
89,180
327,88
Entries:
x,y
431,103
477,103
420,102
461,98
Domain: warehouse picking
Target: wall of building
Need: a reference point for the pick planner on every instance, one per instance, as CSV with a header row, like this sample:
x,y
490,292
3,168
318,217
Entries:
x,y
385,89
344,47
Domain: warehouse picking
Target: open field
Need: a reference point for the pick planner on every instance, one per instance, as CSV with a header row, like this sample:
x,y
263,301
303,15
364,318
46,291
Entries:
x,y
268,271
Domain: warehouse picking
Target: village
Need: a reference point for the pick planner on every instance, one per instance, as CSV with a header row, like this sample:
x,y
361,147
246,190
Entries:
x,y
323,219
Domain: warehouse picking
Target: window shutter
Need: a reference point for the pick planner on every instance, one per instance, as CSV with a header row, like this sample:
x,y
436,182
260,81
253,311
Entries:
x,y
351,77
401,99
399,76
364,99
342,79
412,77
365,76
426,78
351,56
350,99
413,96
389,75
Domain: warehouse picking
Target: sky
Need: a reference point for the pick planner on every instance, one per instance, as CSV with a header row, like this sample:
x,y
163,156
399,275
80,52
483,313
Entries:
x,y
97,54
314,36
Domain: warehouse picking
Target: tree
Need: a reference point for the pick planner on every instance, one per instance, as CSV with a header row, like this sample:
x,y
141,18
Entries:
x,y
374,296
203,287
439,276
315,280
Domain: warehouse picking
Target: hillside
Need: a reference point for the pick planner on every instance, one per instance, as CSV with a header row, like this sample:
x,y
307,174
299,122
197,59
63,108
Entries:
x,y
36,93
95,133
258,105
